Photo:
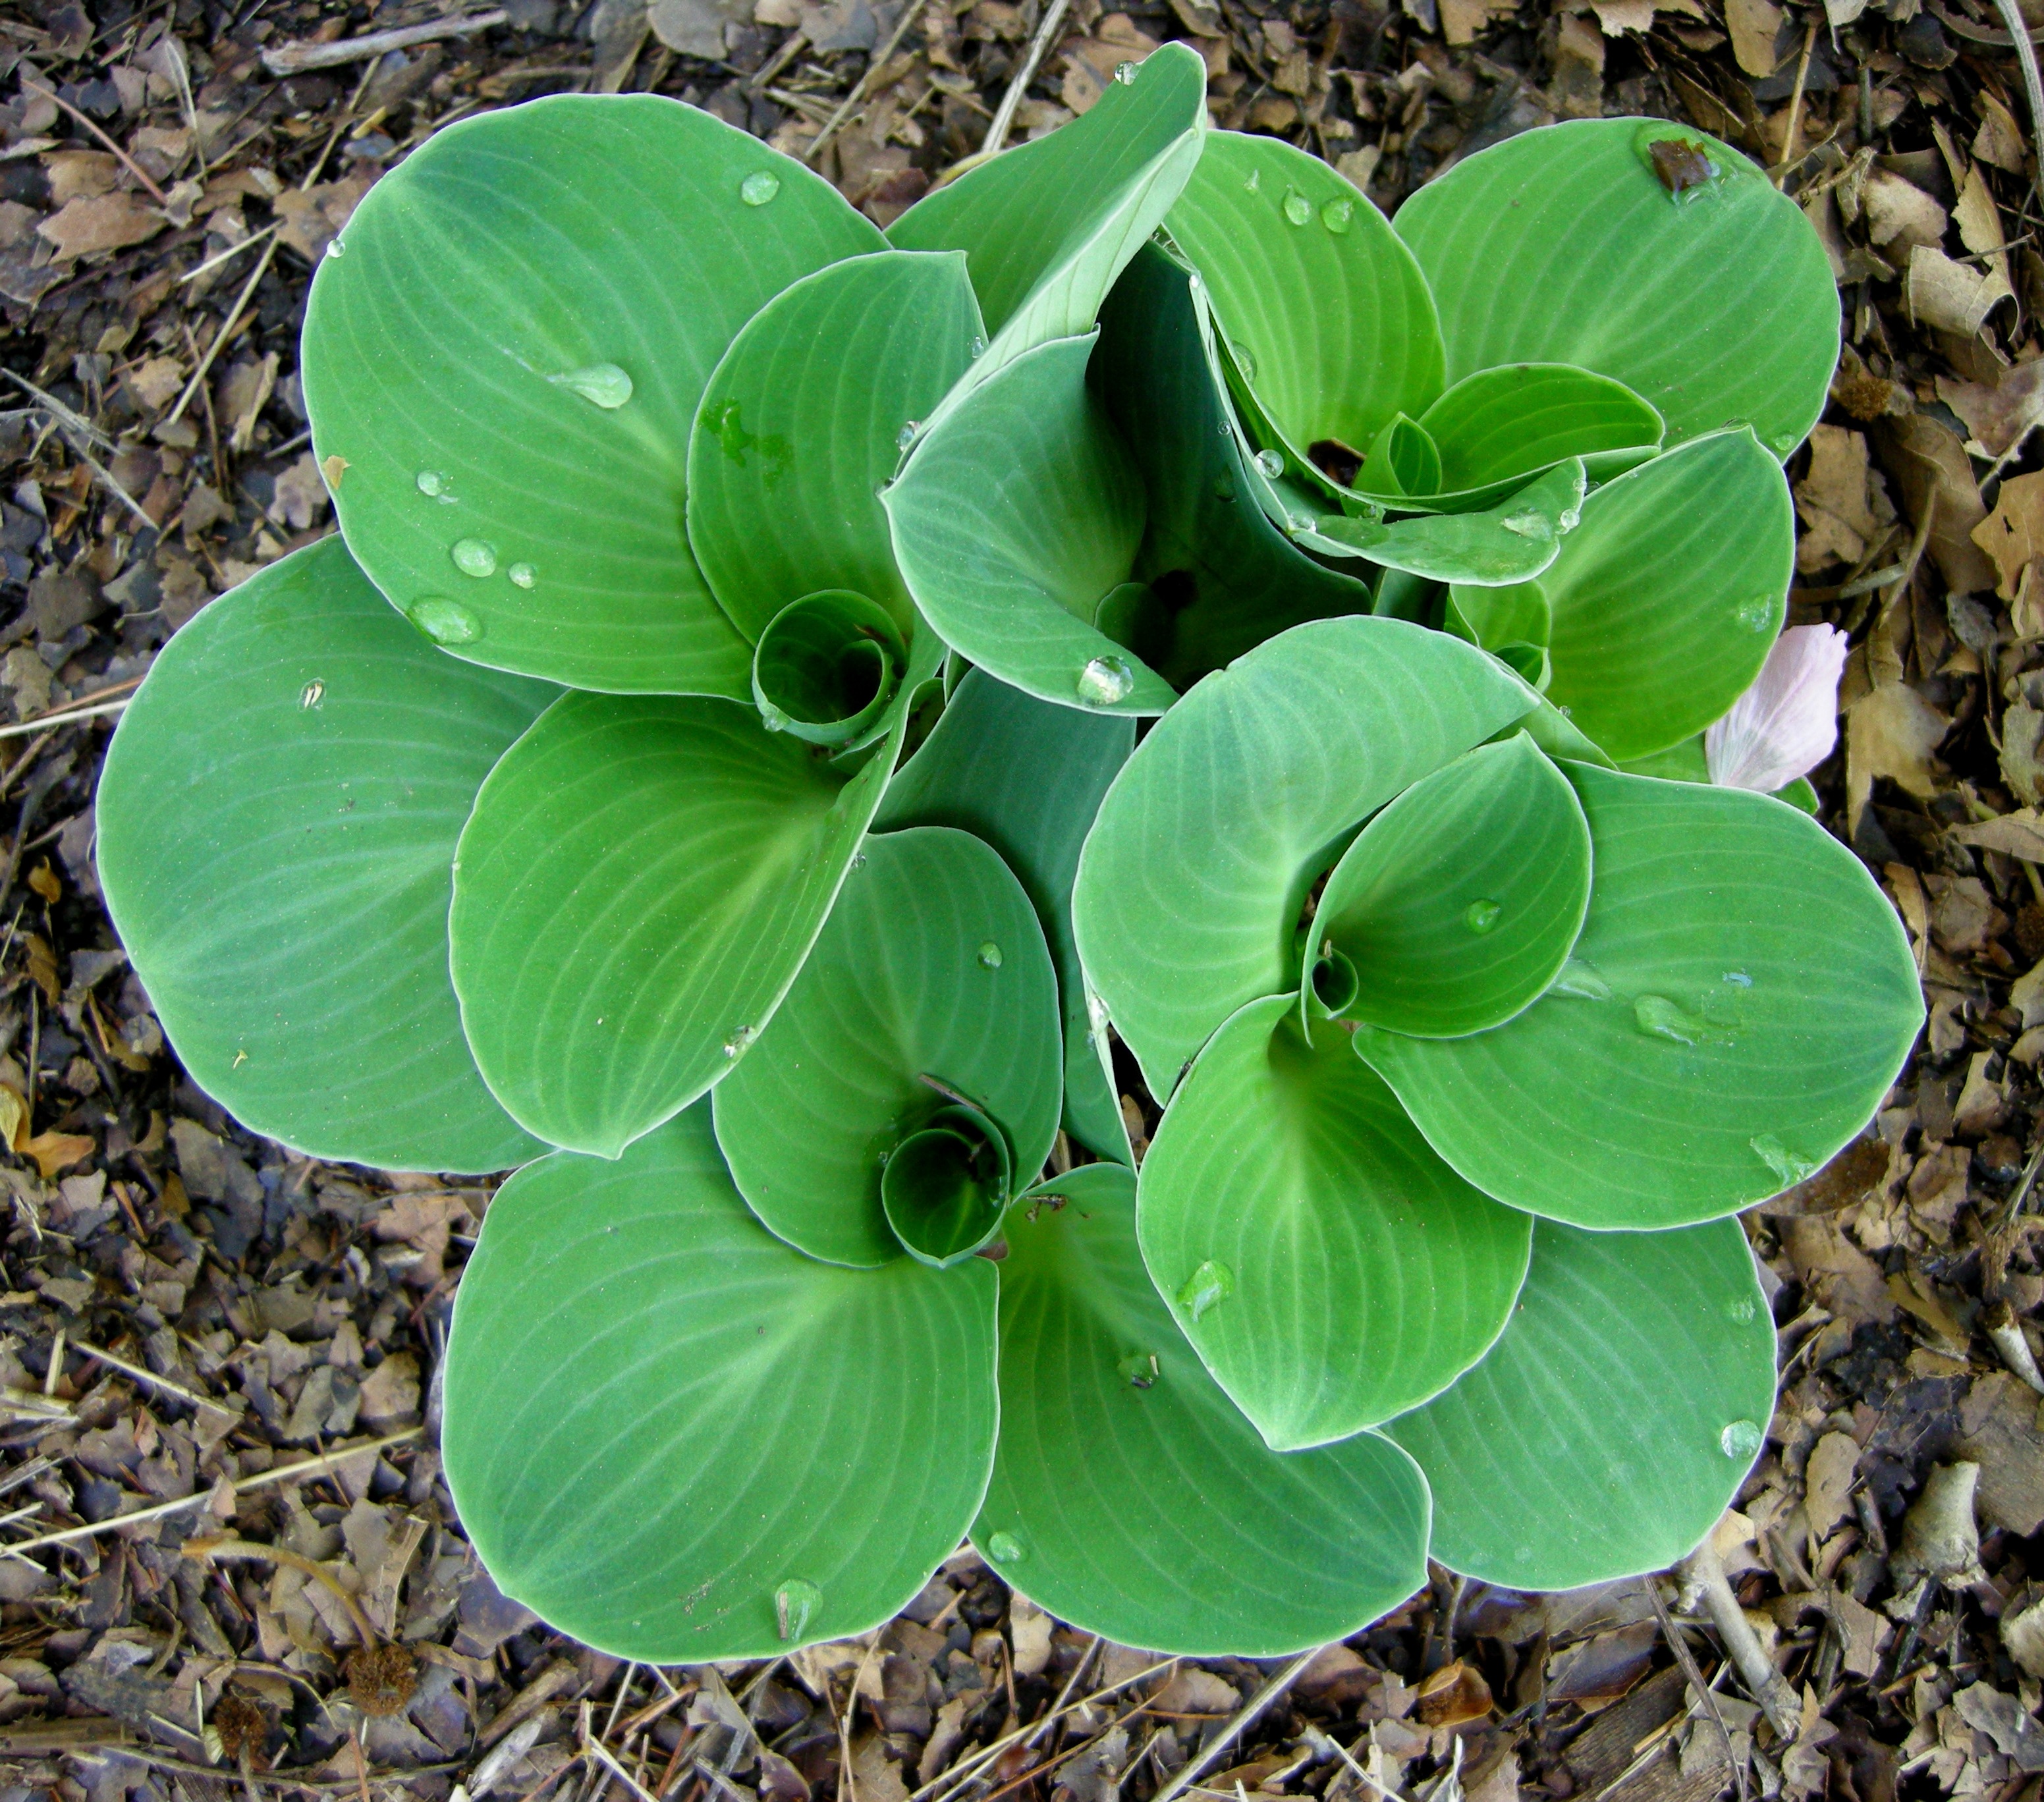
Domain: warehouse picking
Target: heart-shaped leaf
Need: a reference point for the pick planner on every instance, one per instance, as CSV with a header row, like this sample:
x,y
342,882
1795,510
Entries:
x,y
1739,1001
1130,1496
277,819
803,421
1296,1219
624,1330
1565,245
1017,517
1190,886
1456,906
1615,1419
1028,778
930,985
639,882
506,346
1512,541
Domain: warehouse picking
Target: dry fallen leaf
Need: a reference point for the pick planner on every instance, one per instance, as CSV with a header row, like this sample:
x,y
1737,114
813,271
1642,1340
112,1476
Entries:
x,y
1950,296
2000,138
1891,732
1755,26
1929,464
54,1151
2013,533
1898,213
2000,414
1836,500
102,222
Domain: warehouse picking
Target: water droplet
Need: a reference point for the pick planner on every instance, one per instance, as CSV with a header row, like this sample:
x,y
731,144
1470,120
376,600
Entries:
x,y
1105,681
1245,360
1255,181
1296,523
1270,463
1482,915
1568,519
772,719
905,436
1223,487
1298,210
1738,978
978,348
740,1040
1755,615
602,384
1740,1309
1139,1369
1125,74
1581,979
1740,1441
1338,214
1210,1284
1529,524
313,694
858,860
759,187
523,575
1004,1548
1790,1169
336,248
474,557
444,621
1783,443
430,482
1660,1018
795,1605
1097,1014
989,955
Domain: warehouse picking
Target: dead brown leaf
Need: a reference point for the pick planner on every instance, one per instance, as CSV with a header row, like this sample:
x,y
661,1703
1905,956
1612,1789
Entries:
x,y
89,225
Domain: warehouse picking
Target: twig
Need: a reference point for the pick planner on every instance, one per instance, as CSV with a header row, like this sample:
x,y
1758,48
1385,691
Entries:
x,y
1687,1660
911,11
1768,1686
201,1549
127,162
149,1377
1245,1718
227,255
50,719
1003,114
2025,54
294,58
1789,157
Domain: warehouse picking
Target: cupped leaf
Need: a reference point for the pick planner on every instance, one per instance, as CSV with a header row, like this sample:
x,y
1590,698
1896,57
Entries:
x,y
1664,599
946,1186
1221,578
1191,881
639,882
1027,777
803,421
1326,313
1130,1496
1564,245
1456,904
1330,1270
1512,541
1615,1419
1402,459
827,666
1017,517
277,819
675,1438
1502,425
505,351
1739,1001
930,983
1048,225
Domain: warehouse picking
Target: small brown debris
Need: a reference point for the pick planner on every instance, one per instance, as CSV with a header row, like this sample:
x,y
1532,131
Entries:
x,y
243,1729
1340,463
1681,163
382,1679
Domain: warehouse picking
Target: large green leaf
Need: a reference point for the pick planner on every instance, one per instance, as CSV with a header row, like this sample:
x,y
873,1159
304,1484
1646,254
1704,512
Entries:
x,y
1130,1496
1028,778
1512,541
1615,1419
1498,426
1048,225
676,1439
1222,578
1191,883
1330,1270
1456,906
932,966
1739,1001
803,421
639,882
1327,315
1017,517
505,349
1564,245
277,819
1664,599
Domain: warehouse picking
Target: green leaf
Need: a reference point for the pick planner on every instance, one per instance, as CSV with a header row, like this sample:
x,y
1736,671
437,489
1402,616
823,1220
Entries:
x,y
1686,762
1404,459
1501,425
277,819
1129,1495
1614,1421
1048,225
1326,313
1028,778
1665,598
802,422
931,969
826,668
1018,515
1191,883
1222,578
1513,541
639,882
674,1438
1329,1269
1739,1001
1563,246
507,347
1457,904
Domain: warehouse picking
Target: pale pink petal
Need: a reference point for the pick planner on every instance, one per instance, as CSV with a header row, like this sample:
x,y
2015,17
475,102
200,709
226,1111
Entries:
x,y
1785,724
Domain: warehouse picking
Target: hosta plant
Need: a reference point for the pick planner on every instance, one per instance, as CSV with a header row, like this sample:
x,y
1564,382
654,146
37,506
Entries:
x,y
703,774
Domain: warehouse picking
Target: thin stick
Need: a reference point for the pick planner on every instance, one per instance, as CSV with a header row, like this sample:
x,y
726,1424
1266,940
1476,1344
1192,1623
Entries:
x,y
1789,157
227,255
911,11
1003,114
295,59
127,162
50,719
1687,1660
149,1377
1766,1685
2025,54
1246,1718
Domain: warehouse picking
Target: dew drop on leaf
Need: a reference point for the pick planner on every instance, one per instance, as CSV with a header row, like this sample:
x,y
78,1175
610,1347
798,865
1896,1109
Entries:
x,y
523,575
1298,210
1788,1169
1004,1548
1482,915
1528,524
1338,214
978,348
1223,487
989,955
905,436
1740,1440
430,482
1255,181
1138,1369
1105,681
1783,443
759,187
1125,74
740,1040
601,384
313,694
445,622
1739,1310
1245,359
1212,1283
472,556
1755,615
1271,463
1580,979
336,248
796,1603
1738,978
1660,1018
